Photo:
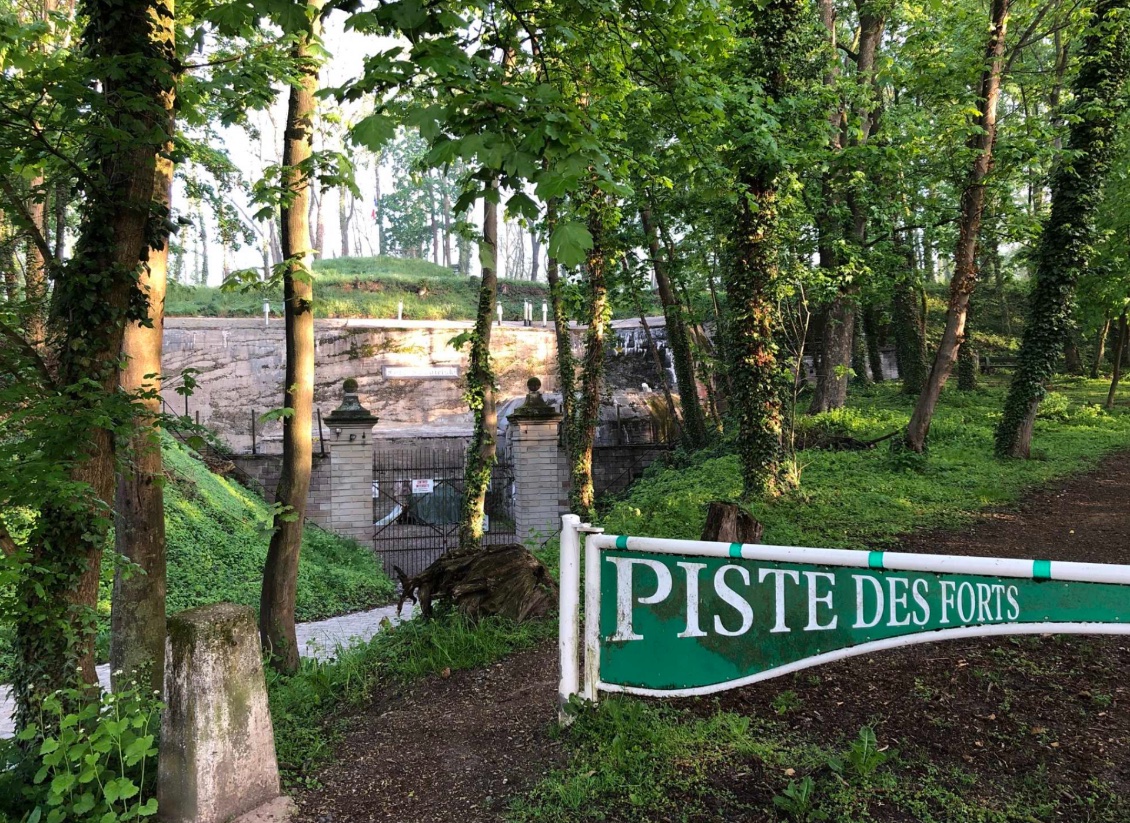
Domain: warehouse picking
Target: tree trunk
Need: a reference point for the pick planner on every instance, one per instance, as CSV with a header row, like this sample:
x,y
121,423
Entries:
x,y
1072,356
967,356
1100,347
280,572
446,225
566,364
910,346
343,222
379,209
837,340
730,523
972,204
35,269
57,591
587,411
482,449
1119,350
694,425
202,279
1069,232
137,615
8,242
874,352
535,255
62,193
751,280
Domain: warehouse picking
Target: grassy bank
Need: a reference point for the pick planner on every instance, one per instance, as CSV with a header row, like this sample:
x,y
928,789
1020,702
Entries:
x,y
365,287
217,534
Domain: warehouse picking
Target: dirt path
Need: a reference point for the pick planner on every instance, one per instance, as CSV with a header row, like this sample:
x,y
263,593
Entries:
x,y
458,749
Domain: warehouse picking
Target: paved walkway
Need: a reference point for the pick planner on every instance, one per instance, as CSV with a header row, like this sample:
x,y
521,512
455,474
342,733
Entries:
x,y
319,640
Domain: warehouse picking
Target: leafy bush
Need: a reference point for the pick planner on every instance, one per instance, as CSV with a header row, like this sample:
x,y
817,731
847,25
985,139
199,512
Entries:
x,y
94,763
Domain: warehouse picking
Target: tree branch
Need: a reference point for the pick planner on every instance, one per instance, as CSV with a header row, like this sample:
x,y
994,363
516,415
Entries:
x,y
17,204
29,351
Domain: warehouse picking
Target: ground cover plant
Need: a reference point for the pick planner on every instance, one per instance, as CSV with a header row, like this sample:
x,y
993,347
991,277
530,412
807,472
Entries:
x,y
849,499
217,534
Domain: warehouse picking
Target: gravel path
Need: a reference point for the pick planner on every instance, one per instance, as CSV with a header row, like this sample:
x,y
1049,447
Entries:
x,y
319,639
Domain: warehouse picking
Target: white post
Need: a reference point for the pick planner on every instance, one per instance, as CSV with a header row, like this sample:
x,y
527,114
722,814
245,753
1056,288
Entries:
x,y
500,314
569,614
400,310
544,314
592,612
266,313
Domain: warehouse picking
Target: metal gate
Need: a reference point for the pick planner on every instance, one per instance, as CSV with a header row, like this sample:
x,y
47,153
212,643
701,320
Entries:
x,y
417,494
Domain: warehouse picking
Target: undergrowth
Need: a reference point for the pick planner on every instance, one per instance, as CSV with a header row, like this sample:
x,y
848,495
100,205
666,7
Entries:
x,y
308,707
217,535
869,498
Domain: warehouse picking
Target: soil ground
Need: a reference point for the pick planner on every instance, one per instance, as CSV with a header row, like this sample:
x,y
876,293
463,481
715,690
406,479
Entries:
x,y
1039,717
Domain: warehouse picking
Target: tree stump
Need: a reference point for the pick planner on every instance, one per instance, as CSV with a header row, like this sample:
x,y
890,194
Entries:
x,y
730,523
494,580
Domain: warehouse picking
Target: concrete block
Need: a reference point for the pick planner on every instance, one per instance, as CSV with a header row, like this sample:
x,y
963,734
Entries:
x,y
217,758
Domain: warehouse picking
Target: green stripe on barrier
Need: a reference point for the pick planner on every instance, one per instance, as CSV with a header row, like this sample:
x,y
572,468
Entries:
x,y
874,560
622,541
735,550
1041,570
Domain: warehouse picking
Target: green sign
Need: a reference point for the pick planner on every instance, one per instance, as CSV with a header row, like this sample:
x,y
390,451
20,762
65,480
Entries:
x,y
691,623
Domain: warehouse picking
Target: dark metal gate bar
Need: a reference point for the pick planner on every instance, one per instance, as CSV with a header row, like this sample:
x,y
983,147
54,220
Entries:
x,y
417,495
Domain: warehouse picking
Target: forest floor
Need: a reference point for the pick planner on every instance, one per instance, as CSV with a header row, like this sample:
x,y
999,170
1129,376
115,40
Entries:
x,y
1022,729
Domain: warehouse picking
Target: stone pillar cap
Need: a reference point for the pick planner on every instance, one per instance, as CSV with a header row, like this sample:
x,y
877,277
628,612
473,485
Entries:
x,y
535,407
351,410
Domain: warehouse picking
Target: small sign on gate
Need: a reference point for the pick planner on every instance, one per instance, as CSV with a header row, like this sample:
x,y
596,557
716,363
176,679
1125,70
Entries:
x,y
376,489
423,486
682,617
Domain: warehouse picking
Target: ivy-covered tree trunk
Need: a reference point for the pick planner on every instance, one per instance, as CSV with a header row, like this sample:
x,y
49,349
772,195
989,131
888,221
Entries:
x,y
836,346
137,609
774,41
131,52
280,572
566,363
586,415
694,424
1069,232
972,205
910,345
480,389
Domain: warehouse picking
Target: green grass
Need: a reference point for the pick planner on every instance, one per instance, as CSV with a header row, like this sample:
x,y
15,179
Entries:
x,y
639,761
869,498
307,708
217,537
633,760
365,287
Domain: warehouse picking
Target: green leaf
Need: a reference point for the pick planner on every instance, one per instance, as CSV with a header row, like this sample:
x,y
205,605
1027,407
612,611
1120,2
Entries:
x,y
569,243
374,131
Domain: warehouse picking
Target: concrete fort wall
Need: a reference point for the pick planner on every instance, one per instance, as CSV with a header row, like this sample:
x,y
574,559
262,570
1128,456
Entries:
x,y
241,368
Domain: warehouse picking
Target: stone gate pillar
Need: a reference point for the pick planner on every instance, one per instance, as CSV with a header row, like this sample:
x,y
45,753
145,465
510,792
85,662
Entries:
x,y
351,466
534,435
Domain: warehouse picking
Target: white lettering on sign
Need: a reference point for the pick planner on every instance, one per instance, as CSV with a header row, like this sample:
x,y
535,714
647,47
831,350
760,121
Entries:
x,y
888,601
624,592
423,486
780,575
814,601
694,627
734,599
419,372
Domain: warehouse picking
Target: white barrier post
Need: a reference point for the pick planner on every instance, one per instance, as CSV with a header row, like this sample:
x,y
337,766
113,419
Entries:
x,y
569,614
592,611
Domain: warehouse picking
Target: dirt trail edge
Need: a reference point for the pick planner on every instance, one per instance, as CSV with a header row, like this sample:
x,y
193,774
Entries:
x,y
460,748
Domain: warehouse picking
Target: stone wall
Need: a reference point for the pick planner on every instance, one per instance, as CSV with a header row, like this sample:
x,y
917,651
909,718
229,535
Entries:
x,y
241,366
264,471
